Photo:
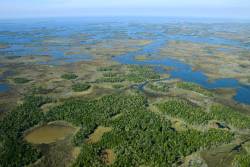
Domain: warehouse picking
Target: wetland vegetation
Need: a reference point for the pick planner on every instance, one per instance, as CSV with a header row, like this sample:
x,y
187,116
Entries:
x,y
194,87
162,87
133,103
21,80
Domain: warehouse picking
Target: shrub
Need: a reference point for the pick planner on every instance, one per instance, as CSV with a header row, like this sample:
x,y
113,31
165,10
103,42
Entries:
x,y
194,87
21,80
79,87
69,76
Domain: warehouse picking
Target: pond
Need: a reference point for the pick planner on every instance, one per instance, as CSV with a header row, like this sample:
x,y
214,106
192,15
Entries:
x,y
49,133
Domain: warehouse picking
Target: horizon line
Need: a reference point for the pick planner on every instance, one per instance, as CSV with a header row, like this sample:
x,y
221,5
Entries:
x,y
126,16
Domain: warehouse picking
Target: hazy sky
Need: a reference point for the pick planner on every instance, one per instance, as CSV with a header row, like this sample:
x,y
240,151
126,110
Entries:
x,y
181,8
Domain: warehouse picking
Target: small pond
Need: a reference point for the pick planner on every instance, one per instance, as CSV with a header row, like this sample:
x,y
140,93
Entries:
x,y
49,133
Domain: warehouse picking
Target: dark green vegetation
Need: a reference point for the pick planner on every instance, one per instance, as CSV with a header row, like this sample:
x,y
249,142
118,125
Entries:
x,y
79,87
194,87
110,79
135,73
21,80
90,114
105,69
13,150
185,110
69,76
138,136
141,73
196,115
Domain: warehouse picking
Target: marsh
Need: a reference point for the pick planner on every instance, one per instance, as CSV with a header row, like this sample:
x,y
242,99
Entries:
x,y
123,92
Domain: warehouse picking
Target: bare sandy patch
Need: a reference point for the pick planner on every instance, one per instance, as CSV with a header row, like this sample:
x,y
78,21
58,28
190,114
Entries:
x,y
75,152
98,133
108,156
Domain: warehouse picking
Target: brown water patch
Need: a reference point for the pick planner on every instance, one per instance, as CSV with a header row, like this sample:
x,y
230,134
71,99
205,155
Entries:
x,y
49,133
98,133
108,156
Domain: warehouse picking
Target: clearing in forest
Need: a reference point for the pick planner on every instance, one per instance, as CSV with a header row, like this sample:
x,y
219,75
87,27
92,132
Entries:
x,y
97,134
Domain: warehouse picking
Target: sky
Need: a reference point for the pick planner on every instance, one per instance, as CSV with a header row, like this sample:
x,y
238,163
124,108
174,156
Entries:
x,y
170,8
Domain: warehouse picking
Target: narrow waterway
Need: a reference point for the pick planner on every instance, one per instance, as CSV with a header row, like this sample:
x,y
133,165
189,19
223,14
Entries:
x,y
184,71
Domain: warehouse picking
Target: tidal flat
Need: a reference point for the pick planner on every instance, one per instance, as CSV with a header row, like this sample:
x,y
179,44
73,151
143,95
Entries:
x,y
124,93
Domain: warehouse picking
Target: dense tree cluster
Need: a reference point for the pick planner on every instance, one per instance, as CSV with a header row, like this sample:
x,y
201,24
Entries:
x,y
196,115
69,76
21,80
141,73
13,150
138,136
185,110
89,114
110,79
136,74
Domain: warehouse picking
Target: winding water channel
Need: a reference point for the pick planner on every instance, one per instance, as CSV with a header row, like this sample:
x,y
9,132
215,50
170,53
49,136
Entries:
x,y
184,71
30,33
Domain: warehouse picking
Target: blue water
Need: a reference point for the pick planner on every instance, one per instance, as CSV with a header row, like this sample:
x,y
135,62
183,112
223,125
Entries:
x,y
184,71
3,87
27,37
